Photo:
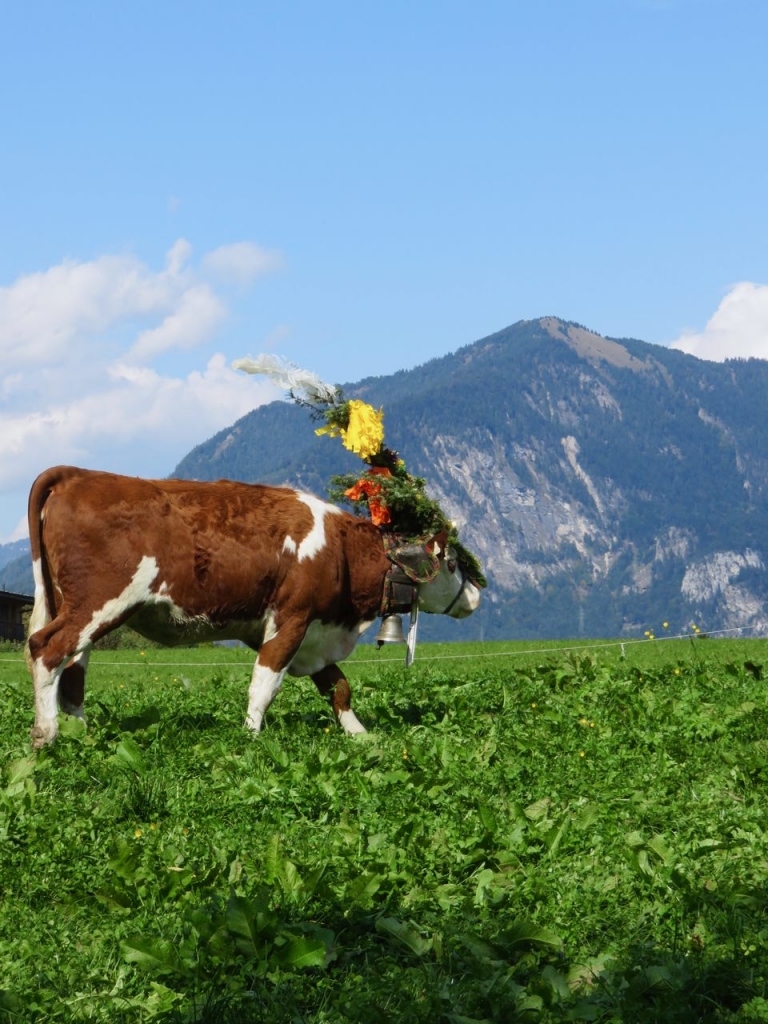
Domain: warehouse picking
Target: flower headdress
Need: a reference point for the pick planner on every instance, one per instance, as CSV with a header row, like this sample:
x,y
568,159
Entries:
x,y
393,498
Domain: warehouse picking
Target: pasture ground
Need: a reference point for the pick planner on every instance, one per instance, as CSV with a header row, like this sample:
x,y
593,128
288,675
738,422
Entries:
x,y
546,837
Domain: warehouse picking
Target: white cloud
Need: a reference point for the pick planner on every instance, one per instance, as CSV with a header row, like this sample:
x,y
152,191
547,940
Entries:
x,y
241,262
195,318
78,347
738,328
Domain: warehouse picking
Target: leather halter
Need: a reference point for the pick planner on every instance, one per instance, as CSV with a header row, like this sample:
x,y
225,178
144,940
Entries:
x,y
459,592
401,593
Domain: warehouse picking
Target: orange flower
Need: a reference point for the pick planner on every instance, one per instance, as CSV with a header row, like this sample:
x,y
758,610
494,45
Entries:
x,y
368,488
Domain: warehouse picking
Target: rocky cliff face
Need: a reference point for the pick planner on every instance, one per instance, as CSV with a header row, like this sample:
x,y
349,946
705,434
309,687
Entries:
x,y
617,505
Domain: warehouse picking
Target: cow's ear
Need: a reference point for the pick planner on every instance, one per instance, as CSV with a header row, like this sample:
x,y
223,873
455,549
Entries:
x,y
437,545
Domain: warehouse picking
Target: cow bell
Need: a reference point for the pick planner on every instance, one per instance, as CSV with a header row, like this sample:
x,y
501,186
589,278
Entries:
x,y
390,631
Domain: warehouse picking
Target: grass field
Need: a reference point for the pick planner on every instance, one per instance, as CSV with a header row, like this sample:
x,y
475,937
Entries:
x,y
565,835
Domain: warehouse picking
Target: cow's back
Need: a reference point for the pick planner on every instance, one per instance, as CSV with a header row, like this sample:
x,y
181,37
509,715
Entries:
x,y
224,550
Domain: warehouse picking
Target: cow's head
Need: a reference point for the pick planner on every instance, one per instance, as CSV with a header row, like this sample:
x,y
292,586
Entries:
x,y
444,585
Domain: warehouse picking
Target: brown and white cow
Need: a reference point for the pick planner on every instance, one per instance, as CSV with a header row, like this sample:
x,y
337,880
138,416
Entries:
x,y
293,577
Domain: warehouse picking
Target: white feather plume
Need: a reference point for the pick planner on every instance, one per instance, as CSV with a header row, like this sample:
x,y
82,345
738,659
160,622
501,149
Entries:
x,y
290,377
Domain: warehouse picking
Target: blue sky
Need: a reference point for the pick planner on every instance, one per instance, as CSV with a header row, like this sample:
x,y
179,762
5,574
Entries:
x,y
359,188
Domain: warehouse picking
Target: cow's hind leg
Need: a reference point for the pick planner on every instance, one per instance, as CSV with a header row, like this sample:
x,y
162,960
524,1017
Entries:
x,y
332,683
50,651
58,657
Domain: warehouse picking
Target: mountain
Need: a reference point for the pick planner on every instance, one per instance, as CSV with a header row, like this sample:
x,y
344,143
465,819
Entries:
x,y
16,568
12,551
608,485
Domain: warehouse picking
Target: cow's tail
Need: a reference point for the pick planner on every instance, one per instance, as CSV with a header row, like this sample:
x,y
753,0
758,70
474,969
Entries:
x,y
44,607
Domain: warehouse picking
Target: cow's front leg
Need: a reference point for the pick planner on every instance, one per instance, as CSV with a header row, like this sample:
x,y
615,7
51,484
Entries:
x,y
332,683
272,663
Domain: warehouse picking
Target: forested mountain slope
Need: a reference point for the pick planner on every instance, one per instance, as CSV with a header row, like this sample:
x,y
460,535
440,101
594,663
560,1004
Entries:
x,y
608,485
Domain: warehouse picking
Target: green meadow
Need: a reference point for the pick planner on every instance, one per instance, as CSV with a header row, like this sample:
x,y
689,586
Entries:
x,y
539,833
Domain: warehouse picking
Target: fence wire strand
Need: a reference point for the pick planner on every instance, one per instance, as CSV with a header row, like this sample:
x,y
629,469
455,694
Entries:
x,y
384,660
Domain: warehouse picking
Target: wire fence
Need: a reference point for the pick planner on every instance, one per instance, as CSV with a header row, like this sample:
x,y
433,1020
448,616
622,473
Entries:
x,y
427,658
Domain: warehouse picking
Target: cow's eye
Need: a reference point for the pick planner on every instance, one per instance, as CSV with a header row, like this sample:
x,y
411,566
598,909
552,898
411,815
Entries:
x,y
451,565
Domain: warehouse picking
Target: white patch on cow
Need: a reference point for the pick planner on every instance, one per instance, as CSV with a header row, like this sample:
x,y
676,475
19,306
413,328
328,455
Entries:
x,y
350,723
46,686
41,615
138,592
289,545
265,685
314,542
325,644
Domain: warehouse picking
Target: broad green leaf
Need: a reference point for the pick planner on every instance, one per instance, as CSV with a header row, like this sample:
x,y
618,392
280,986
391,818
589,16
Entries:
x,y
252,923
405,933
18,773
157,956
301,952
487,818
538,810
526,933
554,837
129,752
662,851
72,728
362,889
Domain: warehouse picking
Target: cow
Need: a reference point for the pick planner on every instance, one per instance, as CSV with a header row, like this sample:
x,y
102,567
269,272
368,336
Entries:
x,y
295,578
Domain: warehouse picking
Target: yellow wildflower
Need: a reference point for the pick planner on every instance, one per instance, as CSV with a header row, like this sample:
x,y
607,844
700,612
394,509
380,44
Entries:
x,y
137,833
665,625
581,753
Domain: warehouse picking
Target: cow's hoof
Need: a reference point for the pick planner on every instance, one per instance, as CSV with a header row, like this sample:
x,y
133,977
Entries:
x,y
41,737
350,723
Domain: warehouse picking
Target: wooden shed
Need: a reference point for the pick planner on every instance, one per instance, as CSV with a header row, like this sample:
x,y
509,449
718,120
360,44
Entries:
x,y
11,609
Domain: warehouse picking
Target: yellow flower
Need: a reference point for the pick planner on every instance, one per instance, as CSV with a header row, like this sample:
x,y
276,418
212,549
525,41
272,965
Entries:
x,y
405,755
137,833
534,704
365,434
665,625
152,826
581,753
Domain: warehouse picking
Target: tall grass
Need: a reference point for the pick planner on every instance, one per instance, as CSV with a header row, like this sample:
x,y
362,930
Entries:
x,y
568,835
